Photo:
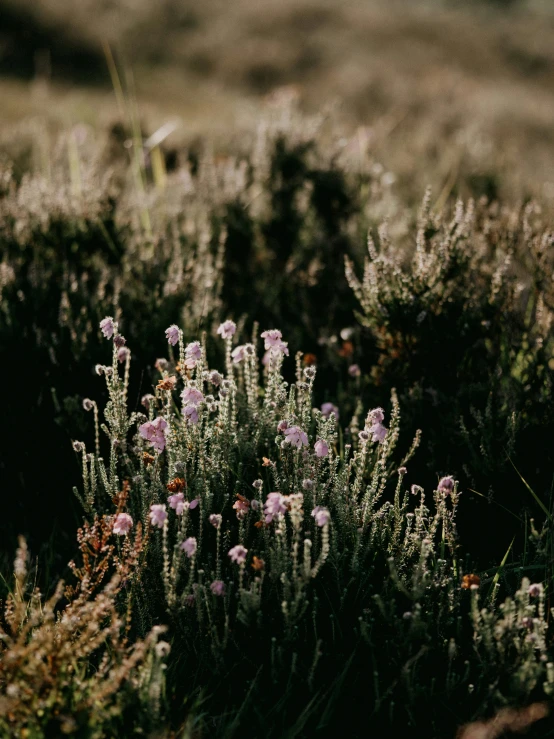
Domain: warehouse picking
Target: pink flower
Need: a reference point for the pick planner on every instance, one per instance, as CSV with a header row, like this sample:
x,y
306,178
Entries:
x,y
238,554
215,519
107,326
172,334
535,589
446,484
119,341
153,431
192,396
146,400
377,415
321,515
189,546
241,507
282,425
158,515
328,409
191,414
238,354
272,338
227,329
193,504
379,432
321,448
215,378
123,524
177,502
218,587
296,437
193,354
354,370
122,354
274,506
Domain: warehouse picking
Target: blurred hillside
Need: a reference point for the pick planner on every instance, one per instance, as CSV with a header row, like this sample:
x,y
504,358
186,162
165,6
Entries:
x,y
456,94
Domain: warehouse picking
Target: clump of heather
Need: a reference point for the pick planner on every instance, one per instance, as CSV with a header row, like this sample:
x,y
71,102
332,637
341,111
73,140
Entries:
x,y
284,549
67,665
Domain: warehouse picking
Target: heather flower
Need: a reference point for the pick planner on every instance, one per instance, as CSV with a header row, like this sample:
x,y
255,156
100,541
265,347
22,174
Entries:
x,y
78,446
122,354
378,432
282,426
177,502
215,378
354,370
193,354
99,369
238,354
193,504
307,484
146,400
274,506
446,484
190,413
321,448
254,504
172,334
296,437
119,341
238,554
535,590
215,519
329,409
158,514
258,484
123,524
189,546
241,506
281,347
107,326
309,373
88,405
218,587
321,515
192,396
161,364
363,436
154,432
377,415
272,338
402,470
227,329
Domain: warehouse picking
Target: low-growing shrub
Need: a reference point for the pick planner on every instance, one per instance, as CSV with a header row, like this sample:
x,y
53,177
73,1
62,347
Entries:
x,y
302,579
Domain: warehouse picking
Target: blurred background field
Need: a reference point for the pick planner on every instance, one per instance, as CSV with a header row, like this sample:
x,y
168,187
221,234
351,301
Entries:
x,y
453,93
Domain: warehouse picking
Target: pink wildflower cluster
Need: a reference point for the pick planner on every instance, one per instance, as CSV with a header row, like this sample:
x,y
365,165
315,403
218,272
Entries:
x,y
321,448
295,437
177,502
218,587
172,334
446,484
191,398
108,327
321,515
375,420
193,354
123,524
227,329
240,353
238,554
189,546
154,432
158,515
274,506
274,342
